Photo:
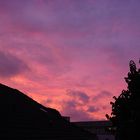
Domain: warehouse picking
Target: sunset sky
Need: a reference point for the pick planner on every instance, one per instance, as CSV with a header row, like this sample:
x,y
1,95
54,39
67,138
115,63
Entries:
x,y
71,55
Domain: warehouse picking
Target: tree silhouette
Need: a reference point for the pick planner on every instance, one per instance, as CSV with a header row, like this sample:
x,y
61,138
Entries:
x,y
125,114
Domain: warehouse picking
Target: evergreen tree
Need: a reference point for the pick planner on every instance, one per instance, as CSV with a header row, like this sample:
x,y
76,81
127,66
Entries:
x,y
125,114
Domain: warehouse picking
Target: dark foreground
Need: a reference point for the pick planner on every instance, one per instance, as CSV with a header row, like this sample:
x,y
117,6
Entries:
x,y
23,118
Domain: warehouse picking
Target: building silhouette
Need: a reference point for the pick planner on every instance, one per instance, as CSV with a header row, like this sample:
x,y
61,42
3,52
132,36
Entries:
x,y
101,128
23,118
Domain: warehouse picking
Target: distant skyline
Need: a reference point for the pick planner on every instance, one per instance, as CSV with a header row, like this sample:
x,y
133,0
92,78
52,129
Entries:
x,y
71,55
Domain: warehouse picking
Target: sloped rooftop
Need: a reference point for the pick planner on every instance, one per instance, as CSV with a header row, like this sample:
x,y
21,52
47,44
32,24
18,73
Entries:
x,y
23,118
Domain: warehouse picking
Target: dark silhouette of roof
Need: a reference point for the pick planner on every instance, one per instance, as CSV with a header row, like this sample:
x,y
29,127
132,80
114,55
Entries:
x,y
23,118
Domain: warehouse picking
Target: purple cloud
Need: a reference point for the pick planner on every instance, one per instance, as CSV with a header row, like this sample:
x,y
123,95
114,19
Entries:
x,y
102,95
79,95
10,65
70,108
92,109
